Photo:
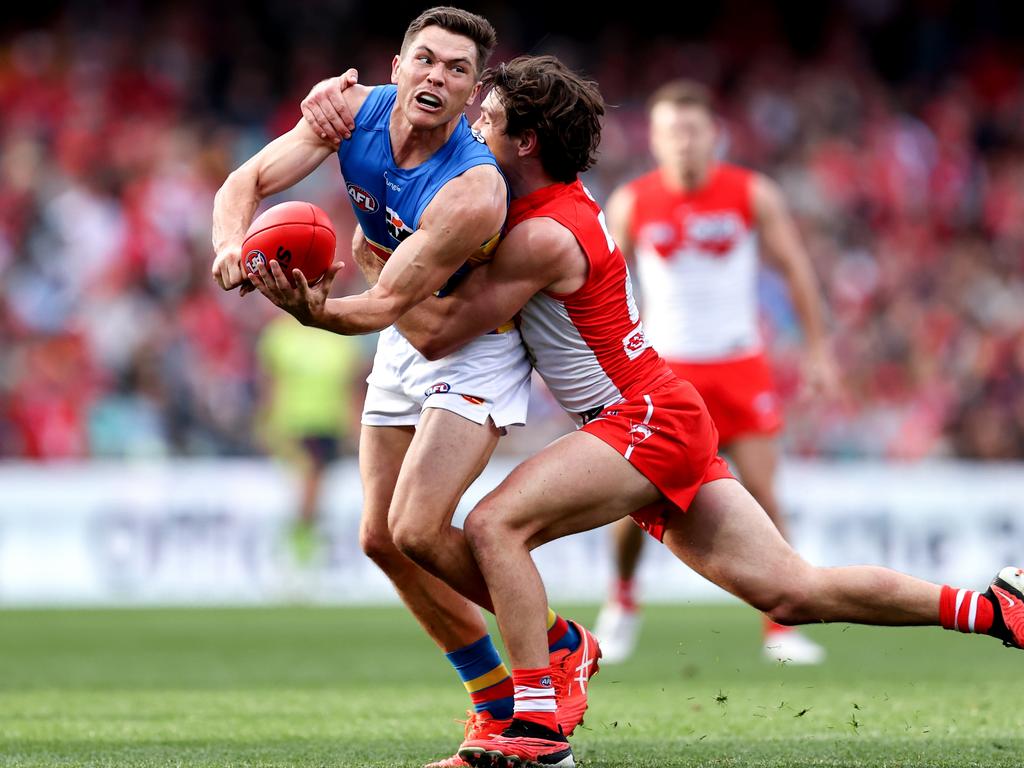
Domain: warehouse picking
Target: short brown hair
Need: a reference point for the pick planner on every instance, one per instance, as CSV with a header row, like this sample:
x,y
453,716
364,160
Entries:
x,y
683,93
459,22
541,94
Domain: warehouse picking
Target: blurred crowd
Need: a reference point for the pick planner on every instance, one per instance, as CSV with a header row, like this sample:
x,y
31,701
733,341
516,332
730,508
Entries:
x,y
907,180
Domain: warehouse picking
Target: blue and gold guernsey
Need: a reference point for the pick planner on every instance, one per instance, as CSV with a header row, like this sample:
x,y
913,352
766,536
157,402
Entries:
x,y
388,200
488,378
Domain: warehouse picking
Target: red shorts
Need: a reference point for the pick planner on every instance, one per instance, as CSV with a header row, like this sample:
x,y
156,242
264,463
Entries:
x,y
740,395
669,437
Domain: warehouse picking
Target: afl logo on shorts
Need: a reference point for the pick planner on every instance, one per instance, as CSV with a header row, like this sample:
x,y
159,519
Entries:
x,y
253,260
364,200
438,389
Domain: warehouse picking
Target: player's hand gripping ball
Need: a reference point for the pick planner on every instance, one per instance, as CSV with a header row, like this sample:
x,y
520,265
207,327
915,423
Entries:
x,y
298,235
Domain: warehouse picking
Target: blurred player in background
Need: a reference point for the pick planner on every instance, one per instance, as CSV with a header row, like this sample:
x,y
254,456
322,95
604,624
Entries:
x,y
430,199
305,416
694,228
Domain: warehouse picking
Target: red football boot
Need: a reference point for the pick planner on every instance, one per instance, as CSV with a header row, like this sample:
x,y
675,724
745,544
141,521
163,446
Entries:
x,y
480,725
522,745
570,674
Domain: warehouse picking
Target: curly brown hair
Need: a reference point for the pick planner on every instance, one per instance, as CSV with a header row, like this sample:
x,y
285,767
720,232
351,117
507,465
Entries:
x,y
459,22
541,94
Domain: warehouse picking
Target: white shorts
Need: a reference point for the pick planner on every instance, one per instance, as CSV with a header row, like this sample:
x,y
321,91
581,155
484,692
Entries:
x,y
487,378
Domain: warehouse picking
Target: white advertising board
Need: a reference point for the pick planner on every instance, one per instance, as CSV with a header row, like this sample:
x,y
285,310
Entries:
x,y
215,532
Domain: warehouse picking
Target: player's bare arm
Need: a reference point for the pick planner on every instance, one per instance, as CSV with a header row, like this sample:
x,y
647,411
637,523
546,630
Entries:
x,y
282,163
537,255
784,250
369,263
619,214
467,212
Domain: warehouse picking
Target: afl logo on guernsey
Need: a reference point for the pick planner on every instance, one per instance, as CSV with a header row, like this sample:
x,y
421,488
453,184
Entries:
x,y
364,200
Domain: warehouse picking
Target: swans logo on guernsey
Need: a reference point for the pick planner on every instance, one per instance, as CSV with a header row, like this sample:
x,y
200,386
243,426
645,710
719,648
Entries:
x,y
660,236
714,233
635,342
363,200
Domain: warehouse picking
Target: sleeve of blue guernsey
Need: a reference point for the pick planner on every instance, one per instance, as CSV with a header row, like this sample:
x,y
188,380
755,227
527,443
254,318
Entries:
x,y
456,171
369,114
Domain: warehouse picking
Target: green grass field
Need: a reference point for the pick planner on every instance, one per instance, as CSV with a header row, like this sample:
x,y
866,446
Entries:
x,y
362,686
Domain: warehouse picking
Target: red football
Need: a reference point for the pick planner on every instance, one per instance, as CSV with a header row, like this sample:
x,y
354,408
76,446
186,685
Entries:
x,y
298,235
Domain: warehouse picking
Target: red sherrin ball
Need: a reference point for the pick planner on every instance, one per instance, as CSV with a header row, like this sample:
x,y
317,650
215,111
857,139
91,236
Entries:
x,y
297,234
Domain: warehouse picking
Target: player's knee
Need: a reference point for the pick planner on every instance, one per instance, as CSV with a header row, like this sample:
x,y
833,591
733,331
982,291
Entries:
x,y
782,613
376,543
791,604
413,540
485,528
784,594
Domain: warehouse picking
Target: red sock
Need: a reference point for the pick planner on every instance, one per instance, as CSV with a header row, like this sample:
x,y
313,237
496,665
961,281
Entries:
x,y
771,627
965,611
496,699
625,593
535,697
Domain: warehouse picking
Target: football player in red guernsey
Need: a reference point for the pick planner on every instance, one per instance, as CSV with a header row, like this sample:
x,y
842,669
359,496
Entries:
x,y
646,446
695,229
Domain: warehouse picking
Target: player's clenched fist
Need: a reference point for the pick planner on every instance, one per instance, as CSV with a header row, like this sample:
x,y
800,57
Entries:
x,y
227,268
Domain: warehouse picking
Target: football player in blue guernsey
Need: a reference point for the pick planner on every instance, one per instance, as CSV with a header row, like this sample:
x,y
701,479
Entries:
x,y
430,198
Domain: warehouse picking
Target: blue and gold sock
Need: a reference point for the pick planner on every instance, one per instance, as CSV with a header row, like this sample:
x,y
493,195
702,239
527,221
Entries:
x,y
486,678
561,634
